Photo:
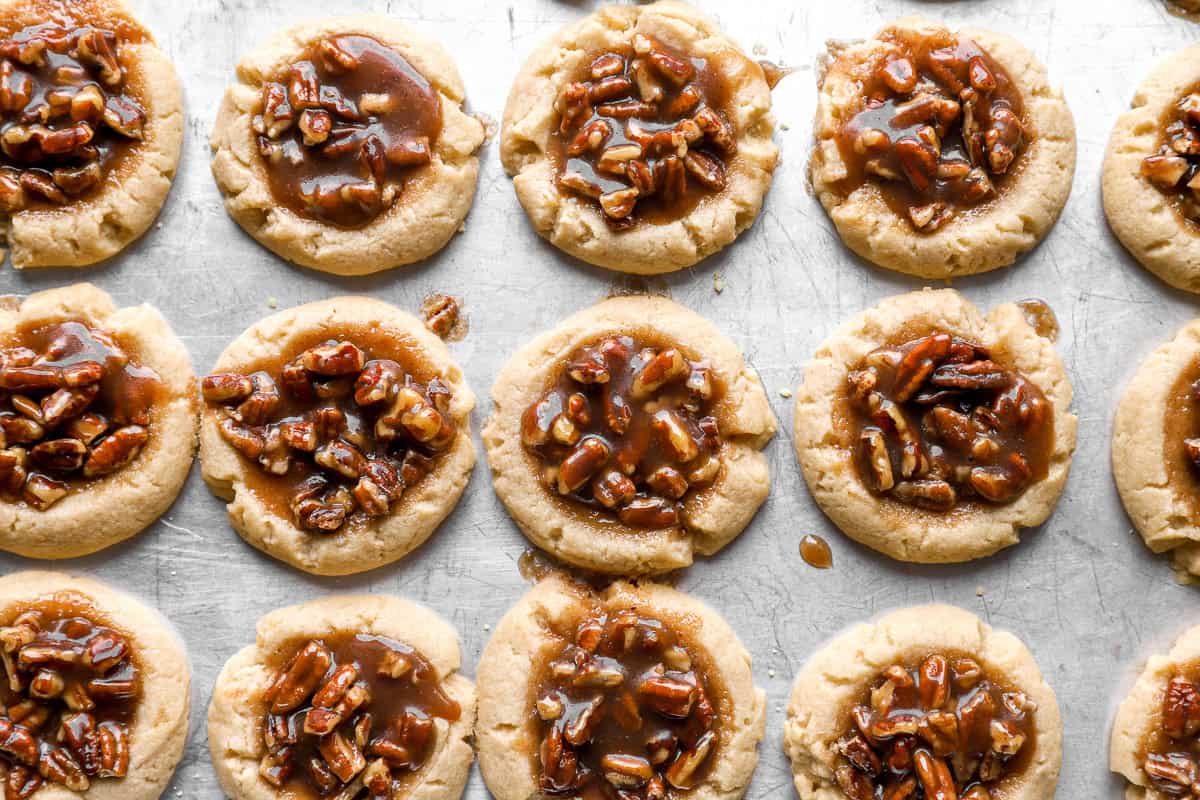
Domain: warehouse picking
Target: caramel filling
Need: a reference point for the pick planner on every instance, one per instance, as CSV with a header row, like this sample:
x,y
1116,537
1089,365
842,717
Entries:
x,y
75,406
627,429
68,115
938,128
340,134
68,700
1175,167
939,729
1170,752
351,716
644,131
937,423
339,431
625,711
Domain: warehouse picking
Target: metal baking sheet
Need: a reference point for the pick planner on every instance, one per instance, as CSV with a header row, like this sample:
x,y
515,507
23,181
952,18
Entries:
x,y
1083,591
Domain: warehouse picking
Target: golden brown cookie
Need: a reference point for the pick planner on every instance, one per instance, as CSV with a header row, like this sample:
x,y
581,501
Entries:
x,y
570,672
629,437
344,697
639,138
98,421
888,165
339,432
343,145
932,433
97,691
92,133
931,688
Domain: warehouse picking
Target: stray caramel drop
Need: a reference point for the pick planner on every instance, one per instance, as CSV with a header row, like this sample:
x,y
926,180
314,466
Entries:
x,y
815,552
1040,317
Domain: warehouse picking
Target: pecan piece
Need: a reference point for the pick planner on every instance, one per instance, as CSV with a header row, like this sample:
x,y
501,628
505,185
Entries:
x,y
299,678
116,450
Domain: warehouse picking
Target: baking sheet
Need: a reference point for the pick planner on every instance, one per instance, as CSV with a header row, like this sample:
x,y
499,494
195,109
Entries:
x,y
1083,592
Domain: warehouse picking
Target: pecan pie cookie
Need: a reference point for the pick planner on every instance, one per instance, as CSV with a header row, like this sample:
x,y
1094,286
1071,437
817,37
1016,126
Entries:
x,y
928,702
932,433
629,438
1156,450
637,691
91,127
97,421
639,138
940,153
1152,172
343,145
351,697
95,691
339,433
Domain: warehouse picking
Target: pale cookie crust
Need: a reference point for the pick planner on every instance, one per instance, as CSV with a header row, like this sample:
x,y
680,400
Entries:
x,y
711,518
507,735
838,676
413,518
428,211
234,716
1160,510
577,226
1139,213
1141,712
160,725
900,531
105,222
984,238
129,500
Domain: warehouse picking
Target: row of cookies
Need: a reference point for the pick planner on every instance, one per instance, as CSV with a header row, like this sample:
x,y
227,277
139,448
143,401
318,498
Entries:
x,y
639,139
623,441
633,691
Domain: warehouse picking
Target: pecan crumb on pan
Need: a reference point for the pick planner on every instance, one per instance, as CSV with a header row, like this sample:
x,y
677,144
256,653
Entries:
x,y
443,316
941,126
350,716
937,422
644,133
74,407
67,702
339,435
625,712
67,115
628,430
941,730
343,127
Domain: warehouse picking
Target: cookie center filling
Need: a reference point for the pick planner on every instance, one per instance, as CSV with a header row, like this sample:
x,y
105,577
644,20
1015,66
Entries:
x,y
351,716
340,134
936,422
1171,750
624,712
67,113
68,699
1175,166
644,132
939,729
75,405
627,429
938,128
338,434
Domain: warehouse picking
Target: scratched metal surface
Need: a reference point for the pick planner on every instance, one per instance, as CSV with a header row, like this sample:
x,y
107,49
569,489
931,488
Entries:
x,y
1083,592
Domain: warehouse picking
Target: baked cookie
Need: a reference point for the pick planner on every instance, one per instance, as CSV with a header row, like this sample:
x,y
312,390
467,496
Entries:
x,y
637,688
1152,172
352,697
629,438
91,128
97,421
950,706
339,432
932,433
1153,740
343,145
940,153
1156,450
639,138
96,690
